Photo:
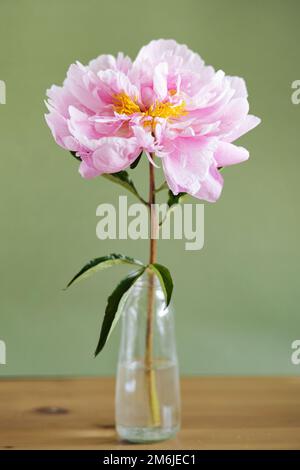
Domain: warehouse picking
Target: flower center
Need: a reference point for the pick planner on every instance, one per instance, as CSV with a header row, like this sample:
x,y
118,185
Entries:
x,y
166,110
123,104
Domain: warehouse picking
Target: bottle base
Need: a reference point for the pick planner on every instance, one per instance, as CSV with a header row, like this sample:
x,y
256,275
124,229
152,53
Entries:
x,y
141,435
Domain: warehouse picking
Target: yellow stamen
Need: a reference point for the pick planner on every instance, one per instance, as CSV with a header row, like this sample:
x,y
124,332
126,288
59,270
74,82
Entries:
x,y
123,104
166,110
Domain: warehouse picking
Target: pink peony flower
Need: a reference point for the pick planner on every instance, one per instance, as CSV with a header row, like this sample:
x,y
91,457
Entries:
x,y
167,102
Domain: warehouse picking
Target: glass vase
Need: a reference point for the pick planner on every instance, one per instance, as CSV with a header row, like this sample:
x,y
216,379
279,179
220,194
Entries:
x,y
147,386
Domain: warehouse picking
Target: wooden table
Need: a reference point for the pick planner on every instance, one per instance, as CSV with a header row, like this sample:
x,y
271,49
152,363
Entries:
x,y
218,413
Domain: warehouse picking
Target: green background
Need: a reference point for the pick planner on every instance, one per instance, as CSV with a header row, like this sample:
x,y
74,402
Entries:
x,y
237,300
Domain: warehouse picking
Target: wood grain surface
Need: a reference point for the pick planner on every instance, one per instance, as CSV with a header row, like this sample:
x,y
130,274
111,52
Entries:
x,y
218,413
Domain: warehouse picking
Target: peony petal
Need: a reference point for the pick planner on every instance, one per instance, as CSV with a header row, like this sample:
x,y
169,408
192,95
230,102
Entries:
x,y
107,61
60,99
114,82
82,129
187,164
80,85
114,154
58,126
246,125
236,110
145,140
167,50
160,84
229,154
239,85
87,171
211,188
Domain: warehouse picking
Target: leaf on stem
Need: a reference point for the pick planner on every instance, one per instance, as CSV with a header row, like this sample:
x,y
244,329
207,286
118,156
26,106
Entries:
x,y
172,202
175,199
114,306
103,262
163,186
136,161
123,179
164,278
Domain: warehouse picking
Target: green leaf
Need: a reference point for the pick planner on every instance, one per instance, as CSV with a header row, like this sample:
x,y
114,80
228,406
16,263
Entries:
x,y
123,179
172,203
136,161
175,199
114,306
163,186
104,262
164,278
